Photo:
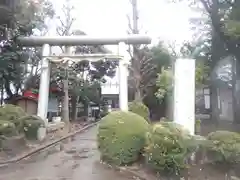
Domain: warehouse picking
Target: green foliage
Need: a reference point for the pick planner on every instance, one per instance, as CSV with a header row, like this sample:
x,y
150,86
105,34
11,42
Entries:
x,y
31,118
164,119
232,21
176,128
31,126
198,126
119,143
224,147
16,121
31,15
158,57
168,147
7,129
164,83
165,80
12,114
28,18
201,73
139,108
104,111
89,92
233,28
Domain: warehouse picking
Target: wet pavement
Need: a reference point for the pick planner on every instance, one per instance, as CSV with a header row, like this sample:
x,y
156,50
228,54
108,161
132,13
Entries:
x,y
74,160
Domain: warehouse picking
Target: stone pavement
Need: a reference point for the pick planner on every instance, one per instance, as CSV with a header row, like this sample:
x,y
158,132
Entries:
x,y
78,159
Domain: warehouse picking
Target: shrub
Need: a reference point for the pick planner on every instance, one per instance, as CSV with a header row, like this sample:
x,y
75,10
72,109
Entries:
x,y
103,111
13,114
224,147
198,126
7,129
164,119
121,137
31,128
139,108
31,117
168,147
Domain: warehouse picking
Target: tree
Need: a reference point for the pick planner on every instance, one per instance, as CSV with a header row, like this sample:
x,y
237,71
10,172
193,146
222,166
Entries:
x,y
154,59
139,60
84,77
15,60
164,83
165,78
224,22
64,29
145,63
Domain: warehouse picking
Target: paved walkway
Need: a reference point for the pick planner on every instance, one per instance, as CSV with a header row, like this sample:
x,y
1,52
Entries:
x,y
78,159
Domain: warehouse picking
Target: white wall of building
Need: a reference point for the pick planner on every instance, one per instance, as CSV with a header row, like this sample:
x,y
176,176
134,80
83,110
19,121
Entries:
x,y
112,84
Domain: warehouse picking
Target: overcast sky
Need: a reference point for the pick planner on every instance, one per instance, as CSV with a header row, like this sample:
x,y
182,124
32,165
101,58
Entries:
x,y
167,21
161,20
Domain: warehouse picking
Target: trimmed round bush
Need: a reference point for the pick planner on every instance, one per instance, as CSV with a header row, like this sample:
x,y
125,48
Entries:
x,y
31,127
168,147
139,108
224,147
121,137
7,129
175,128
164,119
31,117
13,114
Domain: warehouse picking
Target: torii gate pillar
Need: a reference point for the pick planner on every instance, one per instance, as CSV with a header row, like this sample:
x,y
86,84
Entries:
x,y
44,84
123,78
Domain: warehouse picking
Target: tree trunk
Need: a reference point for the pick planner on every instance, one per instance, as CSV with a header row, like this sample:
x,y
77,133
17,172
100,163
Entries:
x,y
214,106
236,90
7,88
74,108
169,107
137,95
231,45
2,92
86,113
217,53
65,110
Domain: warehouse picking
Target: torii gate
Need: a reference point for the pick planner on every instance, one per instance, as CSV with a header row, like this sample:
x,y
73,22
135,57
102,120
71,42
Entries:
x,y
47,41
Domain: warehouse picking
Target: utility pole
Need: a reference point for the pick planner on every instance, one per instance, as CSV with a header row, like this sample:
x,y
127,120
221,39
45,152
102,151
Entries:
x,y
135,17
135,61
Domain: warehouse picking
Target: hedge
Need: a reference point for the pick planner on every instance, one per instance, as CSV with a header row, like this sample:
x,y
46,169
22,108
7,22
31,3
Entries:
x,y
139,108
121,137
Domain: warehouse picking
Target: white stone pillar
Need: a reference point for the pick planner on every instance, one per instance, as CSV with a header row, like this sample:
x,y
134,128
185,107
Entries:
x,y
123,78
44,84
184,93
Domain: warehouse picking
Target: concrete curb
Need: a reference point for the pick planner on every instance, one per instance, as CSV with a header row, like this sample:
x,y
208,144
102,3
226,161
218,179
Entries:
x,y
45,146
